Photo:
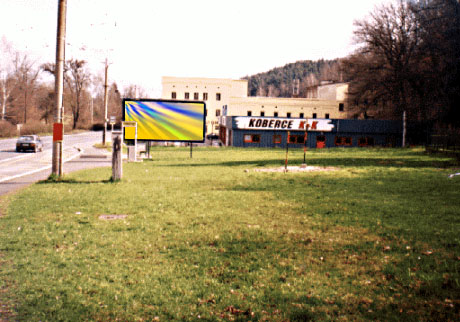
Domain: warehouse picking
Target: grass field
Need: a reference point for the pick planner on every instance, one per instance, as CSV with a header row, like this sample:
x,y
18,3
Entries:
x,y
210,239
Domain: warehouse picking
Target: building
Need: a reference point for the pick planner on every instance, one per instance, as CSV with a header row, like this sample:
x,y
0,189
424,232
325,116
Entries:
x,y
268,132
285,107
328,91
317,121
215,92
228,97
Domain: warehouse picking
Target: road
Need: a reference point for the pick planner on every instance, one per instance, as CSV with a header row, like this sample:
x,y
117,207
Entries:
x,y
20,169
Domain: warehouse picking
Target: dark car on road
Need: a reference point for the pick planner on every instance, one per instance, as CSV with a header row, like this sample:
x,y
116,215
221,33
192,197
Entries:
x,y
29,143
213,139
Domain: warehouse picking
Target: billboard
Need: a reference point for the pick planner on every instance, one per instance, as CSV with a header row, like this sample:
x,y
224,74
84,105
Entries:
x,y
165,120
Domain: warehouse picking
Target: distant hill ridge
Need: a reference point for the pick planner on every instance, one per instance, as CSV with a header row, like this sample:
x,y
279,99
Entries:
x,y
281,81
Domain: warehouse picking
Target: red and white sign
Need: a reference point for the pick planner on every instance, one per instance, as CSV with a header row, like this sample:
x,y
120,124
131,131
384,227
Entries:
x,y
283,124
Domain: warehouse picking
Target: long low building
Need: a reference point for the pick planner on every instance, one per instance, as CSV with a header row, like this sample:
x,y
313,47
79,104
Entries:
x,y
269,132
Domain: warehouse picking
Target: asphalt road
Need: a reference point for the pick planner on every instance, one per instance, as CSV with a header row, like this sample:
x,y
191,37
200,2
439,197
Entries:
x,y
21,169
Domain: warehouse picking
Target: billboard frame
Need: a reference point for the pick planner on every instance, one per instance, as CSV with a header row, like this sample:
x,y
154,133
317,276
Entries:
x,y
165,101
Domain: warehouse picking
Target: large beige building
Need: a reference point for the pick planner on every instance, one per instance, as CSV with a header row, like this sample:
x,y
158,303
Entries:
x,y
228,97
215,92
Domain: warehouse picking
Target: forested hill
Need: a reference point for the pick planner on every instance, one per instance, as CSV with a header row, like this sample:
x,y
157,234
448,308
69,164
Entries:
x,y
280,81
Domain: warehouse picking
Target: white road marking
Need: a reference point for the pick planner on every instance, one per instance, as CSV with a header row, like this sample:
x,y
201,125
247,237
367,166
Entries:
x,y
16,157
37,170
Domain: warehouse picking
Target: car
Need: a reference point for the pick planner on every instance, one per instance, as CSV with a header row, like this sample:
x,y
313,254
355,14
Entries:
x,y
213,140
212,136
29,142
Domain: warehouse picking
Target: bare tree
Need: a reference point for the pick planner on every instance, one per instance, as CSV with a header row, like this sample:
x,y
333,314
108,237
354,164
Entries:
x,y
114,101
382,70
77,79
133,91
26,77
7,81
439,59
46,103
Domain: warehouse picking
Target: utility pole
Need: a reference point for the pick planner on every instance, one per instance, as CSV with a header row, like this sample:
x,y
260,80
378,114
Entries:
x,y
104,135
58,128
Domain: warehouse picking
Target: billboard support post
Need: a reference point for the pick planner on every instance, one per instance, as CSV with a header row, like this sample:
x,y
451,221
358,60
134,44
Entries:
x,y
191,144
304,164
287,151
130,124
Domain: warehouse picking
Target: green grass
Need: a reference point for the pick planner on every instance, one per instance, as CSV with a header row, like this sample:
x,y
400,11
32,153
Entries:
x,y
376,239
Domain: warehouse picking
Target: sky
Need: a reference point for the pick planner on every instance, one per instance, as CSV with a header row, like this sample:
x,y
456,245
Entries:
x,y
144,40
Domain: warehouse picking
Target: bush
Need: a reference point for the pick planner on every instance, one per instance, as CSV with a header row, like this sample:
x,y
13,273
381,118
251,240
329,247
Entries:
x,y
7,129
35,127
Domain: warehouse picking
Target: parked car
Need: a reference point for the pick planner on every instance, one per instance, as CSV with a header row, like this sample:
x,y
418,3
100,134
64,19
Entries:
x,y
29,142
212,136
213,140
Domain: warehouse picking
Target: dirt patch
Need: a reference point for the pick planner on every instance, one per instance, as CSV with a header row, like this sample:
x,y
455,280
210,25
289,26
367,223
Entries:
x,y
112,217
295,169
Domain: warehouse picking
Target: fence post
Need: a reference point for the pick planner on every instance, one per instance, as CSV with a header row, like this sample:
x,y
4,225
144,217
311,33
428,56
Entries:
x,y
117,169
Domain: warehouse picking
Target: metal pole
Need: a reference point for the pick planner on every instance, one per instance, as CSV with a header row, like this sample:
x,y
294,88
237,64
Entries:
x,y
105,102
287,151
404,130
305,148
59,85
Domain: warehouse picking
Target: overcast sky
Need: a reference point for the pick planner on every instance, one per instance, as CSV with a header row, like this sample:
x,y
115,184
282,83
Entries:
x,y
147,39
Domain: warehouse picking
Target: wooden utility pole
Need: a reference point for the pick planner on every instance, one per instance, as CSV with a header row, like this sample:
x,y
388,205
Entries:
x,y
58,130
104,135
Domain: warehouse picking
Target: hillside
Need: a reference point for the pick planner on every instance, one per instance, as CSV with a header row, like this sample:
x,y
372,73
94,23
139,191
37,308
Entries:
x,y
279,82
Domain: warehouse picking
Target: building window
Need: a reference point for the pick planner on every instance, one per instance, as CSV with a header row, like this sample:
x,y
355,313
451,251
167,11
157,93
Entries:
x,y
296,139
343,141
288,114
205,96
216,127
196,96
341,107
251,138
217,96
275,114
366,141
173,95
187,95
218,112
314,115
276,139
327,115
249,113
262,113
301,115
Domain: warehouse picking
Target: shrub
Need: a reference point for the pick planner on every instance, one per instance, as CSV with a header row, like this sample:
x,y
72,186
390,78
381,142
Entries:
x,y
7,129
35,127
